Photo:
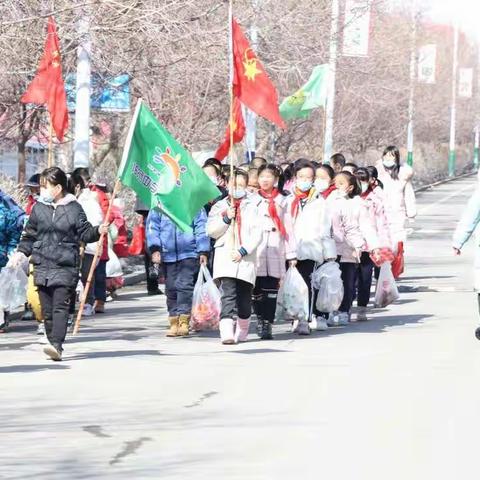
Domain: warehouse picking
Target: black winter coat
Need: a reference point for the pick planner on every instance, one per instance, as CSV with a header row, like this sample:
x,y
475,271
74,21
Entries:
x,y
52,238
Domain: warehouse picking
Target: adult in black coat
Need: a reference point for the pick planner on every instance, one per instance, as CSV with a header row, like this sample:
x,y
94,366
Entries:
x,y
52,237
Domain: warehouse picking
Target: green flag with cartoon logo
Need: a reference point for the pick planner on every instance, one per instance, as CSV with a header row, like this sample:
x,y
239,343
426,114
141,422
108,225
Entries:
x,y
161,172
312,95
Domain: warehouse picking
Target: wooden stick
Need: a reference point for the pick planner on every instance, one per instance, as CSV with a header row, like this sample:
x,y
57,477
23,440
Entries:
x,y
50,144
98,252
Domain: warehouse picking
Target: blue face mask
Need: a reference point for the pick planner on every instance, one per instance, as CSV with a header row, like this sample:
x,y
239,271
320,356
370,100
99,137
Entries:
x,y
389,163
239,194
304,185
46,196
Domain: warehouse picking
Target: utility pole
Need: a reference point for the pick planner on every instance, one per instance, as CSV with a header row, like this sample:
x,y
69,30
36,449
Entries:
x,y
330,104
453,108
251,117
81,154
413,80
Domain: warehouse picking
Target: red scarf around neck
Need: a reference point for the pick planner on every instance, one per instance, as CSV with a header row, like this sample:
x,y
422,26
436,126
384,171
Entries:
x,y
328,191
272,209
366,193
299,196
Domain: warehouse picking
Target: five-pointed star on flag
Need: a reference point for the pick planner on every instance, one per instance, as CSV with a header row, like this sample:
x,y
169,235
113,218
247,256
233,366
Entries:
x,y
250,65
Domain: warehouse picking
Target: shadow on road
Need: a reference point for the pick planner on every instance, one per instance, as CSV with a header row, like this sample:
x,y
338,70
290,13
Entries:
x,y
116,354
32,368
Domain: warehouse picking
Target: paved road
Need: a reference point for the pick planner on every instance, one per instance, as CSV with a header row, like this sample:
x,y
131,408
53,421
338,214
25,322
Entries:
x,y
396,398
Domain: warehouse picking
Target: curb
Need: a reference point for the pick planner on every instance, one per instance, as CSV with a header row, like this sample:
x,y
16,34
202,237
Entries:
x,y
441,182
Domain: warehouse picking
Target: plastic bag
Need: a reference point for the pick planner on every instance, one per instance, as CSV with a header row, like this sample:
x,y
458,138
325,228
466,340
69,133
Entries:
x,y
114,267
292,300
13,288
398,264
327,279
384,255
387,291
207,303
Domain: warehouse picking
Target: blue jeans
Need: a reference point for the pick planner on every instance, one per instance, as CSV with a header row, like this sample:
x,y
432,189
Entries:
x,y
180,280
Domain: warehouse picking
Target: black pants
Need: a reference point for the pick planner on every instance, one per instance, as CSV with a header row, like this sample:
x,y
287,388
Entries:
x,y
55,302
306,268
349,273
179,285
236,298
265,296
152,283
365,274
100,286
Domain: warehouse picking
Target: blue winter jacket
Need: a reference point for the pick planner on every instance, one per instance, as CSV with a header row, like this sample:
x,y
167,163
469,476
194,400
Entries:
x,y
11,226
163,236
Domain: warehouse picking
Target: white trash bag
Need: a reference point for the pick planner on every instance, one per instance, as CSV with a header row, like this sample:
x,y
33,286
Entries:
x,y
13,288
292,300
327,279
207,303
387,291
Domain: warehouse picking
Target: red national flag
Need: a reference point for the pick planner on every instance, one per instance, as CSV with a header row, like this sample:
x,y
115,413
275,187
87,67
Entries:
x,y
250,81
47,87
238,131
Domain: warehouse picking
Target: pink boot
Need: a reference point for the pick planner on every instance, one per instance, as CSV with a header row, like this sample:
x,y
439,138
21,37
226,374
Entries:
x,y
241,332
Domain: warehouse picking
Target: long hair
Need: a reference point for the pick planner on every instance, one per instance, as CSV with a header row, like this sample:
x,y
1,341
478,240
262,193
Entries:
x,y
393,171
277,172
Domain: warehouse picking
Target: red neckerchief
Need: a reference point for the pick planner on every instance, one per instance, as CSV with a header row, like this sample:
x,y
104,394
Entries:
x,y
272,209
328,191
238,218
367,193
299,196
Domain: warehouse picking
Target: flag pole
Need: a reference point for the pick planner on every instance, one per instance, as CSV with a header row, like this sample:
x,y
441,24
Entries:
x,y
98,252
50,143
230,85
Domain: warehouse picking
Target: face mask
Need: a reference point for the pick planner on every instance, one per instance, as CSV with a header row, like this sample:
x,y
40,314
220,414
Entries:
x,y
304,186
365,187
46,196
214,180
239,194
342,193
321,185
389,163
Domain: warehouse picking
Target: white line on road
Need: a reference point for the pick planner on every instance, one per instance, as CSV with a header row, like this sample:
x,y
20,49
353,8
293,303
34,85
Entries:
x,y
446,199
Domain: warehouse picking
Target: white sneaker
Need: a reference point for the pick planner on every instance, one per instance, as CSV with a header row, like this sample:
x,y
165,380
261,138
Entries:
x,y
322,325
226,331
41,329
333,319
303,328
294,328
362,314
88,310
343,318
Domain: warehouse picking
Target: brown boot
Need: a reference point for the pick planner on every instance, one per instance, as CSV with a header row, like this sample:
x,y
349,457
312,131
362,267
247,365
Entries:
x,y
183,323
173,330
99,306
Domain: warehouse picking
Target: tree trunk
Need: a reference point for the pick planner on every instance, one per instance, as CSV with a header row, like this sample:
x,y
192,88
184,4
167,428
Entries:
x,y
22,161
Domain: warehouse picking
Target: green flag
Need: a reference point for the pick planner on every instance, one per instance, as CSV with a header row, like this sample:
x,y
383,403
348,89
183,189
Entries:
x,y
161,172
312,95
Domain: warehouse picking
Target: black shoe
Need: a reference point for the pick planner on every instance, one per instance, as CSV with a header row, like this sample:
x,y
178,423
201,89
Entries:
x,y
264,330
54,351
5,323
155,292
28,315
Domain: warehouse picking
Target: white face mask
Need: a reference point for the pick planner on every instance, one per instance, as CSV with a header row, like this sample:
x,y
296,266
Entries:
x,y
321,185
342,193
365,187
213,179
389,163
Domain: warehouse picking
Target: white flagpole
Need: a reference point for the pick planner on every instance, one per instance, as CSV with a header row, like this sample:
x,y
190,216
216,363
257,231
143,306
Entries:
x,y
413,80
453,108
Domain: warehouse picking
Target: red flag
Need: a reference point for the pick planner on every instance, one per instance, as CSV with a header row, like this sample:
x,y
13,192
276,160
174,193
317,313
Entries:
x,y
238,131
47,87
250,81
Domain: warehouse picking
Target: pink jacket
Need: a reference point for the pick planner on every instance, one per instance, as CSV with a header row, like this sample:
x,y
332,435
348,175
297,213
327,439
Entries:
x,y
349,239
274,250
374,223
400,201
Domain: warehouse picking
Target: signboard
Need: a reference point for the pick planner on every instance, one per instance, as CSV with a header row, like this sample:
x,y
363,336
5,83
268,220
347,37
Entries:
x,y
427,61
465,82
356,32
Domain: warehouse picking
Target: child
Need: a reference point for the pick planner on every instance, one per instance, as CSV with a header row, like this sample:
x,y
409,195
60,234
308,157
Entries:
x,y
372,215
277,246
180,254
348,239
312,228
324,181
236,229
338,162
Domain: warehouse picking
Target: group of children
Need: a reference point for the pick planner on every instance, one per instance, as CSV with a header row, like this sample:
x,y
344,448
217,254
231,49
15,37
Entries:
x,y
269,218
